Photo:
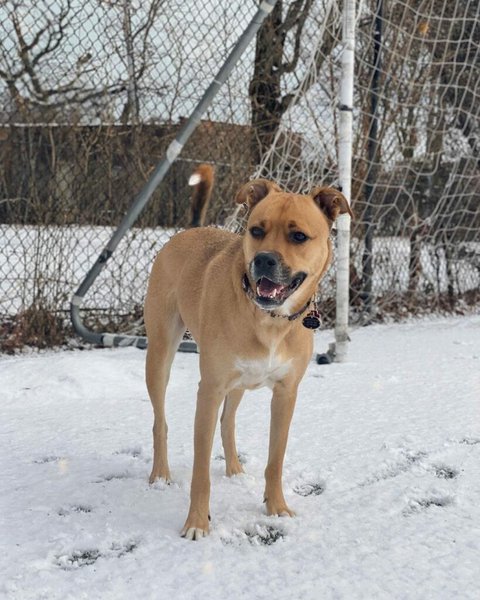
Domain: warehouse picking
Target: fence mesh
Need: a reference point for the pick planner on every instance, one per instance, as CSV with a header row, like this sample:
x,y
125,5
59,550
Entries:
x,y
92,93
416,180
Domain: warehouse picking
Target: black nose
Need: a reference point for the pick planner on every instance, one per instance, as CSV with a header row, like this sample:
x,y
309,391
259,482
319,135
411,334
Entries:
x,y
265,261
266,264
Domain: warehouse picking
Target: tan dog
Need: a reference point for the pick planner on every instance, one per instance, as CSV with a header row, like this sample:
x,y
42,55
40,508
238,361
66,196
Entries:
x,y
243,299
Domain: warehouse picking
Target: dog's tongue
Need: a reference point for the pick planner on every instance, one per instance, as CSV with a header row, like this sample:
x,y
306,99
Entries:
x,y
268,289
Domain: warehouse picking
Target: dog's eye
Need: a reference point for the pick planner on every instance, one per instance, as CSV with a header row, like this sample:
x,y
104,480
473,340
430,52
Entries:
x,y
298,237
257,232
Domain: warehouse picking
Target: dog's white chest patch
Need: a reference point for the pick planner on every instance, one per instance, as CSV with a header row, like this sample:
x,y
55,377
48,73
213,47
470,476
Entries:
x,y
261,372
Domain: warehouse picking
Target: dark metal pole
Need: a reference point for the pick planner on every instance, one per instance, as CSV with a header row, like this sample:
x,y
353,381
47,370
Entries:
x,y
373,167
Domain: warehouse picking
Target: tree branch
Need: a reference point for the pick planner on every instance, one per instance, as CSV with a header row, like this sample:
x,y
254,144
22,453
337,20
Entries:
x,y
299,22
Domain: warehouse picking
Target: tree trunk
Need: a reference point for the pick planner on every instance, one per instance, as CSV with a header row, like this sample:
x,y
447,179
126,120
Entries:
x,y
264,90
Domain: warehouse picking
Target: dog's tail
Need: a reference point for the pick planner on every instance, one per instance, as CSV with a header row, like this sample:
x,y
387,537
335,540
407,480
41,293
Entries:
x,y
202,181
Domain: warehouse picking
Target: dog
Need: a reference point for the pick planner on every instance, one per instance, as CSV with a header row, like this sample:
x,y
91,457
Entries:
x,y
243,298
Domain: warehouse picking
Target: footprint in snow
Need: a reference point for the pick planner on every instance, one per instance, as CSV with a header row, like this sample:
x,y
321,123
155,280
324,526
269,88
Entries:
x,y
419,504
134,452
264,535
86,557
256,534
113,476
49,459
444,471
469,441
410,459
75,508
392,469
310,488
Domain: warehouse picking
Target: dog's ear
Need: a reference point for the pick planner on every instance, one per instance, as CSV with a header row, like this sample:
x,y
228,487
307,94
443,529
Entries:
x,y
252,192
331,202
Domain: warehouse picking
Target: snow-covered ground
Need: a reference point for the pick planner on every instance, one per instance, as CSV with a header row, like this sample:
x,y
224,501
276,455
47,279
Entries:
x,y
382,468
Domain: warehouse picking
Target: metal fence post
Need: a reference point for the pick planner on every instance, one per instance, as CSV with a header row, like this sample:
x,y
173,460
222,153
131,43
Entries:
x,y
373,166
345,175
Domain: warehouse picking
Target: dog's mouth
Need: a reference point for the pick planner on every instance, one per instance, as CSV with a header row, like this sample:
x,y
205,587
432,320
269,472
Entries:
x,y
270,293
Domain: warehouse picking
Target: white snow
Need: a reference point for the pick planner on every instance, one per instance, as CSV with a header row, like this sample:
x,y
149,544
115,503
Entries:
x,y
382,469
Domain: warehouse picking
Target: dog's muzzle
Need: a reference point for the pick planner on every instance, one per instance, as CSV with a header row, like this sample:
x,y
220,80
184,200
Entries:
x,y
273,279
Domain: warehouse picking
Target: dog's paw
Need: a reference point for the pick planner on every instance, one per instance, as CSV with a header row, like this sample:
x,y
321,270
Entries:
x,y
279,509
160,476
193,533
234,468
196,527
283,511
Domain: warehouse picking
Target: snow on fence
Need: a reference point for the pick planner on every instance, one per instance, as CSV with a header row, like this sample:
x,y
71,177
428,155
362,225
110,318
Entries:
x,y
92,93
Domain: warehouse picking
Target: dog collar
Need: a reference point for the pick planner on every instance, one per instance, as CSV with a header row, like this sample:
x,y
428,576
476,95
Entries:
x,y
310,321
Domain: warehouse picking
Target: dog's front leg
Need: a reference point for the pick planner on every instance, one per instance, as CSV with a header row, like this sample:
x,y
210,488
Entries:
x,y
208,402
283,404
232,463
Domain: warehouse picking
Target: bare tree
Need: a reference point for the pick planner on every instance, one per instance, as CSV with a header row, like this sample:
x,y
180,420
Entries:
x,y
277,55
129,36
52,65
41,73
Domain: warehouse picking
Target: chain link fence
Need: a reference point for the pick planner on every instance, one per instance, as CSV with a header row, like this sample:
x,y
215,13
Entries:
x,y
93,92
91,95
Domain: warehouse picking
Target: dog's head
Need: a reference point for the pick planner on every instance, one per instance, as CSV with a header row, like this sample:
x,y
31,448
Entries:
x,y
287,241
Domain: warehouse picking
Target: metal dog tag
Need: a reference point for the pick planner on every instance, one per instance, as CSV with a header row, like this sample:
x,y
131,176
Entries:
x,y
312,320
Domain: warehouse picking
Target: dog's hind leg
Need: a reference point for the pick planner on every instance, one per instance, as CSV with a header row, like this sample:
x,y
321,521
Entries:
x,y
163,340
232,400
